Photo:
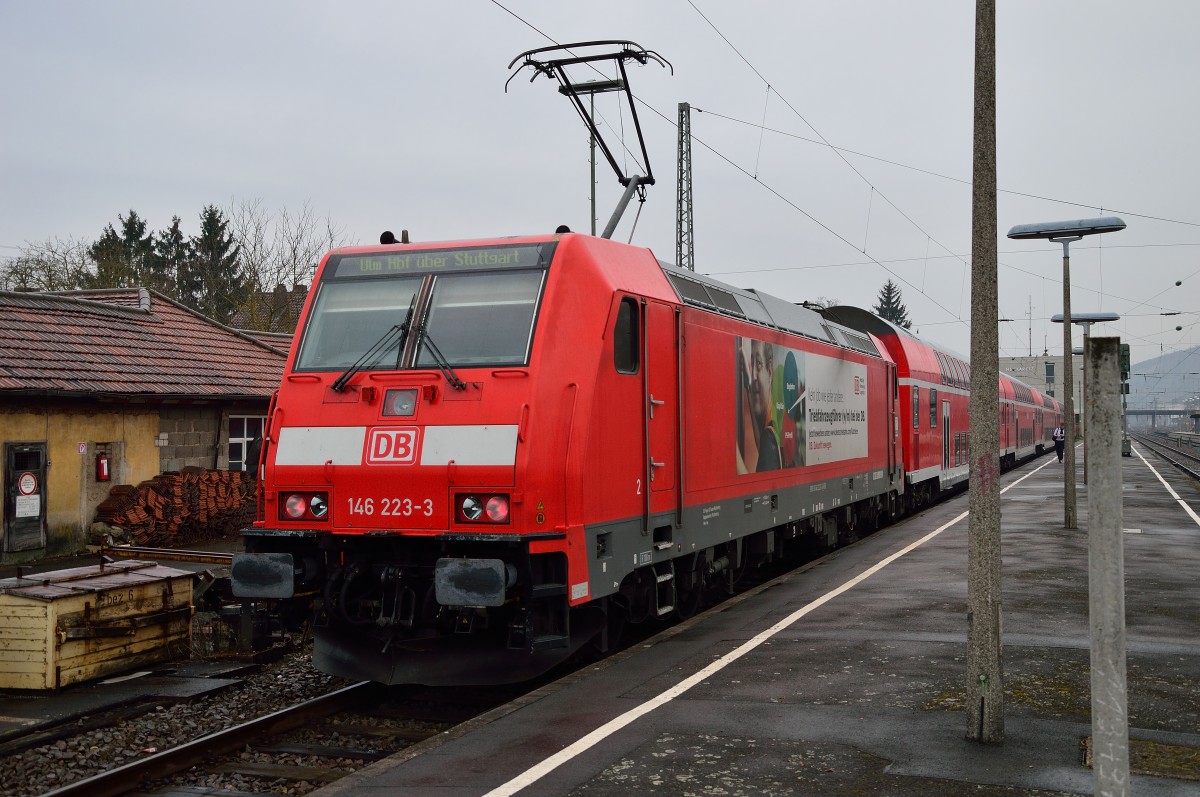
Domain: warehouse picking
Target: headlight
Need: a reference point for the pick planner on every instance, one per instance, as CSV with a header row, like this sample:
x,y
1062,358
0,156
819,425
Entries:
x,y
318,506
471,508
400,402
303,506
482,508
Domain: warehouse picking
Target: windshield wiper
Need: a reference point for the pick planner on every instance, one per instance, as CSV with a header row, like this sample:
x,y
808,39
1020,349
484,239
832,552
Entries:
x,y
442,363
384,343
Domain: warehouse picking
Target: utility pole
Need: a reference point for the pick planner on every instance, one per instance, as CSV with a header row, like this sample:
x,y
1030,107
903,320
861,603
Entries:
x,y
985,685
685,251
1029,318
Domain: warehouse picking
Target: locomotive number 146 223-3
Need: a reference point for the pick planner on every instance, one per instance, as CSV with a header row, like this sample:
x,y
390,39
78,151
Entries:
x,y
390,507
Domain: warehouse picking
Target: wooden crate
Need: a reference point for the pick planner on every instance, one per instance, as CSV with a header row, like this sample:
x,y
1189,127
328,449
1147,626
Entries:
x,y
68,626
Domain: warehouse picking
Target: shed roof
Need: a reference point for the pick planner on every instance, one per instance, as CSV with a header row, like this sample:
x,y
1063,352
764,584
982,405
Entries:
x,y
88,580
127,342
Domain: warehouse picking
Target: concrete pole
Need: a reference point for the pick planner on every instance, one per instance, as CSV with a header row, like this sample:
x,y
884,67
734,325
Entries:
x,y
1106,571
1087,329
985,683
1069,514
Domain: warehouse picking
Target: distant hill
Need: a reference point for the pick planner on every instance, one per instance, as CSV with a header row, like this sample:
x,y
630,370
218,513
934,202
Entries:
x,y
1172,379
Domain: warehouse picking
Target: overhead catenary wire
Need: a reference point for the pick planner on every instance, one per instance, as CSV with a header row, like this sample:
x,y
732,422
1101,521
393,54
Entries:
x,y
728,160
842,154
939,175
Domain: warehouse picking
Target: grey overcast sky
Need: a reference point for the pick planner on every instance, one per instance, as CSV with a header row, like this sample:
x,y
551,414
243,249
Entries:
x,y
390,115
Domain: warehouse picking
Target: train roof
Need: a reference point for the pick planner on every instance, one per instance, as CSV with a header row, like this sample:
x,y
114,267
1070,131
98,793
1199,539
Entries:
x,y
763,309
865,320
910,345
695,290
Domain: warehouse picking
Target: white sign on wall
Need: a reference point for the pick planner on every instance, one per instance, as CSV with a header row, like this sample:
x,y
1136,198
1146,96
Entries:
x,y
28,506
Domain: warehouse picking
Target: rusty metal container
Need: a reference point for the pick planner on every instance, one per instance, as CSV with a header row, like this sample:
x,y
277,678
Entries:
x,y
68,626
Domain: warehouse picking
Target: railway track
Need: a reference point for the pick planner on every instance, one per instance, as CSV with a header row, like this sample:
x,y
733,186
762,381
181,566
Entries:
x,y
130,777
298,748
1184,460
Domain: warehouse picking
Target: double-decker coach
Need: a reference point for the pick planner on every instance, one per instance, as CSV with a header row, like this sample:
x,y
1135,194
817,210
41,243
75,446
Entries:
x,y
935,392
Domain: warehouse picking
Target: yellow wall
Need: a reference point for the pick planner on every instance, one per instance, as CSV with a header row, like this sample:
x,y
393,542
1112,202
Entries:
x,y
72,493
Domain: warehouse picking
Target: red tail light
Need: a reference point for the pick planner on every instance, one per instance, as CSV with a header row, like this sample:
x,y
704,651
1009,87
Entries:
x,y
496,509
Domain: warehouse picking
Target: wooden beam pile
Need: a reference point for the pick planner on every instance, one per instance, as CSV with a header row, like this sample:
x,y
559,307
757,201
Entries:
x,y
174,509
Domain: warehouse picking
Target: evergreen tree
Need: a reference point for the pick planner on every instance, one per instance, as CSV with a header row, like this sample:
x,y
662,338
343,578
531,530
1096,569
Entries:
x,y
890,308
124,259
173,253
111,268
213,282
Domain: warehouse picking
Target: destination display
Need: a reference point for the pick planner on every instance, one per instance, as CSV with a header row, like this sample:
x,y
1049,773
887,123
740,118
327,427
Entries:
x,y
484,258
795,408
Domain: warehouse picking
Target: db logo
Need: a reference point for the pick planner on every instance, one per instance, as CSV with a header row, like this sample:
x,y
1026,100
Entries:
x,y
393,446
858,386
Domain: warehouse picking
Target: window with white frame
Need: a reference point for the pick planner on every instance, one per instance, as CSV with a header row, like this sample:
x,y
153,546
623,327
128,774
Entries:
x,y
243,431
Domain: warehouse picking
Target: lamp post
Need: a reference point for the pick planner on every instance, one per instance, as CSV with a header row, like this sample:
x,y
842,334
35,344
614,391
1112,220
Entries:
x,y
1085,320
1065,232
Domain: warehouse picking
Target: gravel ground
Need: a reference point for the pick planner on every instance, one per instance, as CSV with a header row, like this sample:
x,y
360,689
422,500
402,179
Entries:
x,y
42,769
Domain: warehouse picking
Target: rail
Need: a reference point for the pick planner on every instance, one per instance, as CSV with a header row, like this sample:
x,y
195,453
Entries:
x,y
129,777
1161,444
171,554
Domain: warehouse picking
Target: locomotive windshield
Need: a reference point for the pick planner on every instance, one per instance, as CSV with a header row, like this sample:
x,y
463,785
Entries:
x,y
482,318
478,306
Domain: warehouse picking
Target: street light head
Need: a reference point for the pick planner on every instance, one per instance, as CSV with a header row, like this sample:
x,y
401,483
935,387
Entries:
x,y
1063,229
1086,318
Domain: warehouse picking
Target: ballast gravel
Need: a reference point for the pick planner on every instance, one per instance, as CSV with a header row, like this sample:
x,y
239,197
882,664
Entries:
x,y
43,769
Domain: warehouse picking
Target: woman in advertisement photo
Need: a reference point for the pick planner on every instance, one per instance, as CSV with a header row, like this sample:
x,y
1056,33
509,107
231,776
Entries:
x,y
770,396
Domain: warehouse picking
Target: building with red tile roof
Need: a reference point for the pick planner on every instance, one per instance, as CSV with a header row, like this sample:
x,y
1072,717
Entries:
x,y
116,386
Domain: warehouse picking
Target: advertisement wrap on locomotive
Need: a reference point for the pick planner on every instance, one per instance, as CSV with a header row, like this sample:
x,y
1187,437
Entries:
x,y
782,423
485,456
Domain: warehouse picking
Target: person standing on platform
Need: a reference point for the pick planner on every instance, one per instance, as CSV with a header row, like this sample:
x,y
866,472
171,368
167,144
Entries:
x,y
1060,440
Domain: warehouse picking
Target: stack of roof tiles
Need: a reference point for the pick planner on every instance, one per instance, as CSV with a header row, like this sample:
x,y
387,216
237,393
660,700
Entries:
x,y
179,508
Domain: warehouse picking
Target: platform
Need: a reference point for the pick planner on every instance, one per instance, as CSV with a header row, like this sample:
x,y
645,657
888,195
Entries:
x,y
828,682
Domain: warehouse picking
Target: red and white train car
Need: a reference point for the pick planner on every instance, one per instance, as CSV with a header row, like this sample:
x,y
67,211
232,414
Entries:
x,y
1027,421
935,385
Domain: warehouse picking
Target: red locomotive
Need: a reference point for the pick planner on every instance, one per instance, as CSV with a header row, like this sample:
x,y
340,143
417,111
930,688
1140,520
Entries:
x,y
485,455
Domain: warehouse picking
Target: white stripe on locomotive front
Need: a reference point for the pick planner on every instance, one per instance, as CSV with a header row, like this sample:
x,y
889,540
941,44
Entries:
x,y
343,445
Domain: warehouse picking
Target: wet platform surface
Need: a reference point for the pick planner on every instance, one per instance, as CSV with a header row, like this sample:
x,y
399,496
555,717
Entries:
x,y
862,692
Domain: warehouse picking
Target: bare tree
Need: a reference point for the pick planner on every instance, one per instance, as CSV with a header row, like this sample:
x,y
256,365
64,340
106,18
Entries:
x,y
820,303
56,264
250,225
301,240
280,253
